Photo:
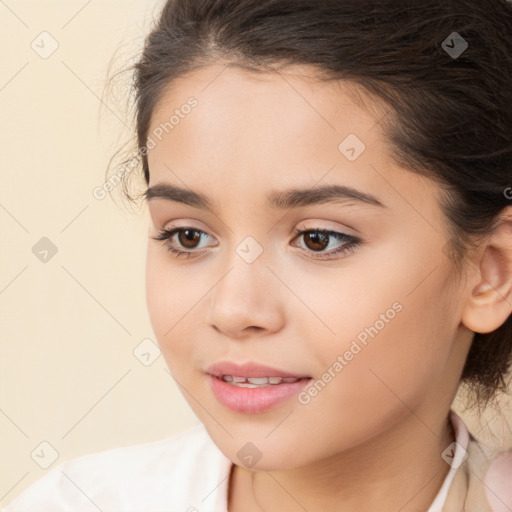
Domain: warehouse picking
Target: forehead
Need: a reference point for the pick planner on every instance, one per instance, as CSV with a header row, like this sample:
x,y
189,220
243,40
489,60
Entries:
x,y
239,113
296,93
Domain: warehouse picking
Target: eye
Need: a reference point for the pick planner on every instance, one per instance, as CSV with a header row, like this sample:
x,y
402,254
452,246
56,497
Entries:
x,y
317,240
187,238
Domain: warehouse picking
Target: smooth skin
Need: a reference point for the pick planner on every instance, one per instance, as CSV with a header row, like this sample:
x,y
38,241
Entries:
x,y
372,438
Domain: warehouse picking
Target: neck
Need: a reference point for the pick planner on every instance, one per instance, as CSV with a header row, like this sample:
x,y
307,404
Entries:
x,y
400,469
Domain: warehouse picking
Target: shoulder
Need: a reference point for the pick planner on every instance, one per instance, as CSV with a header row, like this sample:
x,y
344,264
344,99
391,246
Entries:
x,y
489,475
153,476
483,481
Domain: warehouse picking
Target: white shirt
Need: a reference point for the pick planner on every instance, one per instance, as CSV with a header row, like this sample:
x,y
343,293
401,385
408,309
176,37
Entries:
x,y
183,473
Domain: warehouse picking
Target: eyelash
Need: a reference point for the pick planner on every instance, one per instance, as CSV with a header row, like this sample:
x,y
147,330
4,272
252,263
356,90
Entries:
x,y
352,242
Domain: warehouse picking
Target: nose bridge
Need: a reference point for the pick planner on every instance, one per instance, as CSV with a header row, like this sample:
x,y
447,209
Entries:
x,y
247,293
245,276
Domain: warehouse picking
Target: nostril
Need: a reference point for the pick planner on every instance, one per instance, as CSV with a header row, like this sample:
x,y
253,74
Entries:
x,y
254,327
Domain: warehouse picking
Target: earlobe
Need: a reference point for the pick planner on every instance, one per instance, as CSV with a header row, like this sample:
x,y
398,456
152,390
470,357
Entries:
x,y
489,298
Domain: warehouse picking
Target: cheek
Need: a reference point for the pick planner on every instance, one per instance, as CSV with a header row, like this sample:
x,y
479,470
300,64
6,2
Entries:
x,y
382,342
172,294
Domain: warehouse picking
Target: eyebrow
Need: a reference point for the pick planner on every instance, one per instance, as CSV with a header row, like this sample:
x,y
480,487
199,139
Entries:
x,y
282,199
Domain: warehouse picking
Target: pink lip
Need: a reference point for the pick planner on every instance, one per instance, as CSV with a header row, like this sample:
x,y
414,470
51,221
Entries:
x,y
254,400
248,370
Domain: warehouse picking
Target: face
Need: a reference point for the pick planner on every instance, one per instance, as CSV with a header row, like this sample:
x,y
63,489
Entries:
x,y
352,292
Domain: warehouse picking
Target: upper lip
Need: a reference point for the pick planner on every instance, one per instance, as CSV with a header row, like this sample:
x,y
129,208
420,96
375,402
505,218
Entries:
x,y
249,369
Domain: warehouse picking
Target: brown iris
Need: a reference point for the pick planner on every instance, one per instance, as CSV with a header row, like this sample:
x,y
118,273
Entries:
x,y
189,236
319,240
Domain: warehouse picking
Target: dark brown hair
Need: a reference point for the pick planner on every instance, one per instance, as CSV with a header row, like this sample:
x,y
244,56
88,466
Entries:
x,y
450,104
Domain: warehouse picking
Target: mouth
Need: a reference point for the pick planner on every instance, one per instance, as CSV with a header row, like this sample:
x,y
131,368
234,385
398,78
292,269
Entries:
x,y
252,388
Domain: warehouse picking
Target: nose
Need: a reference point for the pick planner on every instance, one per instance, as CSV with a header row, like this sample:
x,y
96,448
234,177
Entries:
x,y
246,301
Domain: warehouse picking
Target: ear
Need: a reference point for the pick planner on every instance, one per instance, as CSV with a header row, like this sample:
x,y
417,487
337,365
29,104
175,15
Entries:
x,y
489,301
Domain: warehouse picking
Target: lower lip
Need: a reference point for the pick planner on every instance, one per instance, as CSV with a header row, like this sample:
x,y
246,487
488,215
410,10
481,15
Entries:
x,y
254,400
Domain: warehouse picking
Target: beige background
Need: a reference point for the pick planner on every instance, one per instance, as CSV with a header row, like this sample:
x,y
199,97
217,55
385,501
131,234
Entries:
x,y
69,376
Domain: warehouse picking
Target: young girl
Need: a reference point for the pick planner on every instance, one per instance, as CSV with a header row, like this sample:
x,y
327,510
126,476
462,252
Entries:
x,y
329,257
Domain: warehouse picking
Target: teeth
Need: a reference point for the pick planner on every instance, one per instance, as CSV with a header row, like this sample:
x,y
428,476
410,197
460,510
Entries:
x,y
252,382
258,380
